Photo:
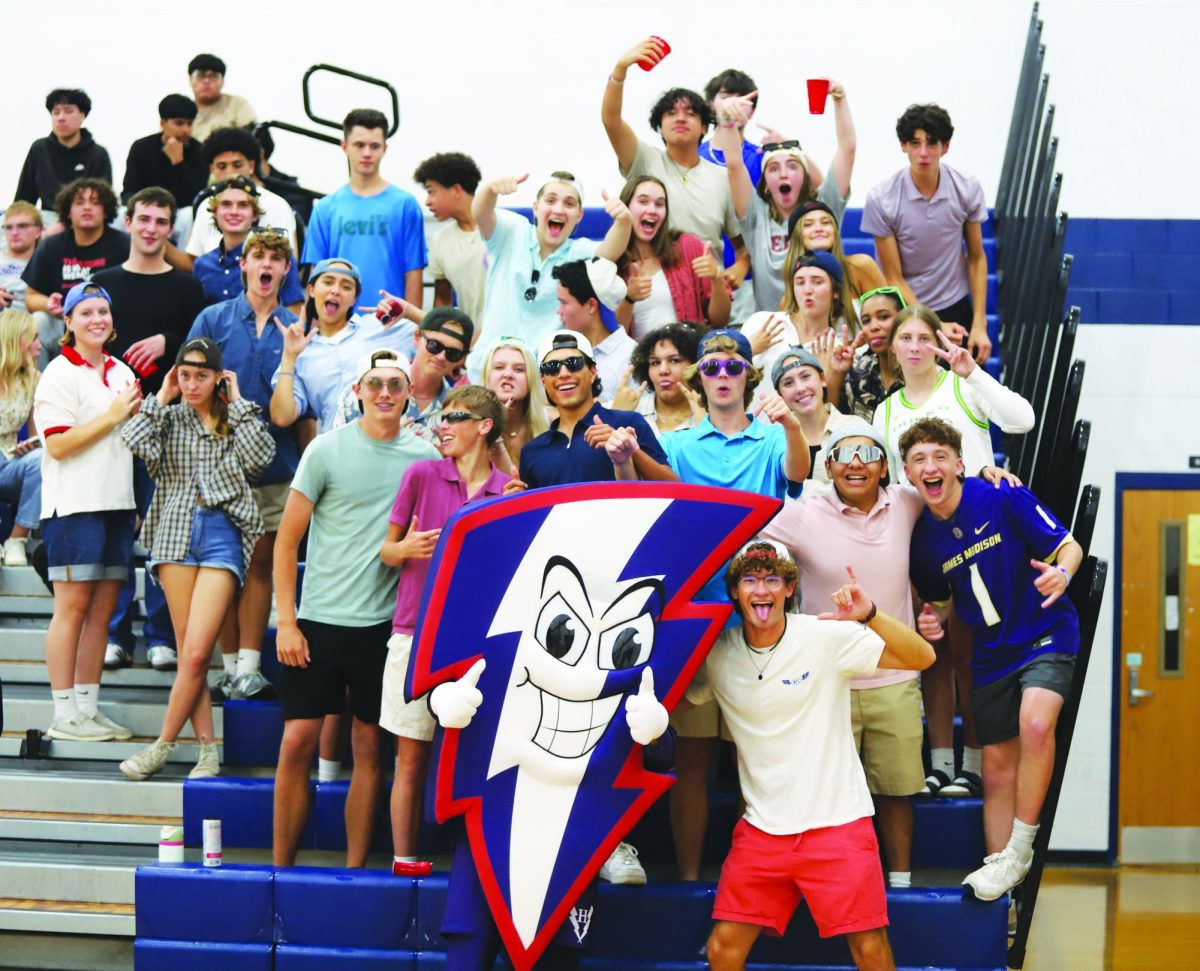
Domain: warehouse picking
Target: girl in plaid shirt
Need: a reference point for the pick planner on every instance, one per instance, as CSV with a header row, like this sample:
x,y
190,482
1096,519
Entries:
x,y
202,525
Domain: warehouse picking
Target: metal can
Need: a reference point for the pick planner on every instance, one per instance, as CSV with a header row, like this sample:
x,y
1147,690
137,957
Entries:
x,y
212,842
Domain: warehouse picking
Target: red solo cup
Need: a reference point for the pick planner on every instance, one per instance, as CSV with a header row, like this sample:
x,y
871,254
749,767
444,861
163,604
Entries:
x,y
818,91
647,64
148,370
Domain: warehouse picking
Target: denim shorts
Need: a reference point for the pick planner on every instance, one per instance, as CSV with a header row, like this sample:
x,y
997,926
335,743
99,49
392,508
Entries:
x,y
215,543
89,545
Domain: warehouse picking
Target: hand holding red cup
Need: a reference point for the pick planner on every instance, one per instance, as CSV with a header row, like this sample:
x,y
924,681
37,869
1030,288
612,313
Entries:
x,y
647,64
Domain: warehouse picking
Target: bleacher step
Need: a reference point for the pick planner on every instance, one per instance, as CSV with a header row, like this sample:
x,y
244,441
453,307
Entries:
x,y
140,709
44,871
90,789
65,917
32,670
83,827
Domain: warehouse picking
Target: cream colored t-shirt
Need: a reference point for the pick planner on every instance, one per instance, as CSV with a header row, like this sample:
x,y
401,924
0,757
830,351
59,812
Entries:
x,y
228,111
461,259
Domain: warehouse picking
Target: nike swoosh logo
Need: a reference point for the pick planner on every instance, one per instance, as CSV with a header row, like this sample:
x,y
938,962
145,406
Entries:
x,y
982,528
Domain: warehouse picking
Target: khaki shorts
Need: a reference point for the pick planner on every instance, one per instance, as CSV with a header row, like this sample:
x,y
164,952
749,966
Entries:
x,y
887,734
699,722
270,500
408,719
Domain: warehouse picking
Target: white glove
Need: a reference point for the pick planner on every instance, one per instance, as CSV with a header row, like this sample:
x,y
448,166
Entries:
x,y
454,703
644,713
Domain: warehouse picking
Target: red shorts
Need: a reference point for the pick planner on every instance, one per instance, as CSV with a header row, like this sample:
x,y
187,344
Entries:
x,y
836,869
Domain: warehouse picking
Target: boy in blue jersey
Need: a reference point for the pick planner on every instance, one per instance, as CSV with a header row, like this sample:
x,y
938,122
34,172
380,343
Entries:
x,y
1006,562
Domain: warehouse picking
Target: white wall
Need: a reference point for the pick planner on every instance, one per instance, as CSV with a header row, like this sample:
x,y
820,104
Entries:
x,y
517,83
1148,372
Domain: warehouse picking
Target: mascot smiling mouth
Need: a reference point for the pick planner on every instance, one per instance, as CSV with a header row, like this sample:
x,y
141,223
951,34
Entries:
x,y
570,729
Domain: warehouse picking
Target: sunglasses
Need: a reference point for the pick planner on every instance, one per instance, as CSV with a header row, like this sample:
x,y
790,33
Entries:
x,y
884,291
845,454
267,231
394,385
751,582
730,366
436,347
531,290
575,363
791,143
456,417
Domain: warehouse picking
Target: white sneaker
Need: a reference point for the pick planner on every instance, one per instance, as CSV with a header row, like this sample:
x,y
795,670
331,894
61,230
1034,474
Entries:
x,y
252,686
79,728
115,656
999,874
623,867
208,763
14,552
149,760
161,657
119,732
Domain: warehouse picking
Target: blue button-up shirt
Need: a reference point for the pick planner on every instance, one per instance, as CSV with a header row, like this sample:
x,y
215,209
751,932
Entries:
x,y
220,273
553,459
253,357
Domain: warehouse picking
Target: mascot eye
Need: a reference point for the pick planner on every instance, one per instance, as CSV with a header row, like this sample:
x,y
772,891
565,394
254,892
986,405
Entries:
x,y
560,632
627,645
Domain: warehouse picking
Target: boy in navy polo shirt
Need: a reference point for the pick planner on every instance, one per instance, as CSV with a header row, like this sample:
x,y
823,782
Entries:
x,y
1006,562
587,442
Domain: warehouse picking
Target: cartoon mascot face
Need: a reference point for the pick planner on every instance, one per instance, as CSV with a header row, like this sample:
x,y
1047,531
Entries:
x,y
569,595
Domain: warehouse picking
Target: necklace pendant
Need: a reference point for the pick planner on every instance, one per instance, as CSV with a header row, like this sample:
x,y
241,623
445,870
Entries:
x,y
760,677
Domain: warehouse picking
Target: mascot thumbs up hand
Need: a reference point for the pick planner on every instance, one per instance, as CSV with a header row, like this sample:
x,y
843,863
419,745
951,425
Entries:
x,y
454,703
644,713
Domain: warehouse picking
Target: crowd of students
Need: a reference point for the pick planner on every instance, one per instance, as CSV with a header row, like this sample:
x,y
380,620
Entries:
x,y
232,373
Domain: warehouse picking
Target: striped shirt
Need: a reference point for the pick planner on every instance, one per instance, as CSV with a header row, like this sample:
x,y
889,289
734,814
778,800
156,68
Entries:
x,y
193,466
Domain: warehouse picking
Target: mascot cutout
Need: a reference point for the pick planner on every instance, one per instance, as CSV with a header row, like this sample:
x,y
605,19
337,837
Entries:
x,y
547,613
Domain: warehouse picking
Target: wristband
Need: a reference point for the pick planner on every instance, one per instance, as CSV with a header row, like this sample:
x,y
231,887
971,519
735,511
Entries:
x,y
629,300
613,79
287,374
866,621
1065,573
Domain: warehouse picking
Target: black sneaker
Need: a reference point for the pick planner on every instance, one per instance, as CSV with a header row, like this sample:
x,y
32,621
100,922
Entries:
x,y
966,785
934,782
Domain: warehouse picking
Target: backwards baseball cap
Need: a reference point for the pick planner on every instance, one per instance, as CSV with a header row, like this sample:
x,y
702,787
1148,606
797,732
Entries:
x,y
610,288
822,260
854,427
709,341
794,357
813,205
566,340
81,292
335,265
208,350
382,357
439,317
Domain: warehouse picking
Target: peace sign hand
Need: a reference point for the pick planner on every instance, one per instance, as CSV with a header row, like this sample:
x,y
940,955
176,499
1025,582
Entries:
x,y
958,357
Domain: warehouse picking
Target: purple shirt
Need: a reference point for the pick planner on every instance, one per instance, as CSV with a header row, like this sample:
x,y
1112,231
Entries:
x,y
432,491
928,232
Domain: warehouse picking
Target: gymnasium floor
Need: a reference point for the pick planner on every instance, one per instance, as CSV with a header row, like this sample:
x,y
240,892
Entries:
x,y
1130,919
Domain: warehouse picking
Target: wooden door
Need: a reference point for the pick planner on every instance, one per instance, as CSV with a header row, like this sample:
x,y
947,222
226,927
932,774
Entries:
x,y
1159,798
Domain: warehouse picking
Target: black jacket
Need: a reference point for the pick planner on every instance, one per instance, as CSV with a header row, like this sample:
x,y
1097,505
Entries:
x,y
148,165
49,166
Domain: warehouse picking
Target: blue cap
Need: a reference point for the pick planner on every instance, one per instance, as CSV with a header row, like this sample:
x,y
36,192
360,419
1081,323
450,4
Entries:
x,y
743,345
336,265
84,291
822,260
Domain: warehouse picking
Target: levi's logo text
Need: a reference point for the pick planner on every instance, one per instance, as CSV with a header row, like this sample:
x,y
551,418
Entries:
x,y
803,677
375,226
971,551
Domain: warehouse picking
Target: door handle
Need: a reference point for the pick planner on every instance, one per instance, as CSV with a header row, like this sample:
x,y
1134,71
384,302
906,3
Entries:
x,y
1136,693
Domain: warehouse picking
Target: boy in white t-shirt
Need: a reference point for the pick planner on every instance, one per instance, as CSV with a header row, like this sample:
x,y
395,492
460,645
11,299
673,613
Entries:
x,y
782,683
457,257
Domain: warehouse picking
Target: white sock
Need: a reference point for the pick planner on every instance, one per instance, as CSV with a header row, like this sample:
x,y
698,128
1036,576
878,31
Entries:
x,y
942,760
328,769
1021,841
64,705
87,696
973,760
248,661
404,859
898,878
230,663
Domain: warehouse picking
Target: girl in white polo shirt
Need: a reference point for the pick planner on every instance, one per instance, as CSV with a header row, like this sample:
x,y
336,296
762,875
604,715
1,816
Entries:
x,y
81,401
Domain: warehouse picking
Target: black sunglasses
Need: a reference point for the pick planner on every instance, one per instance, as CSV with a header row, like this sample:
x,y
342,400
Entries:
x,y
575,363
778,146
454,417
436,347
531,290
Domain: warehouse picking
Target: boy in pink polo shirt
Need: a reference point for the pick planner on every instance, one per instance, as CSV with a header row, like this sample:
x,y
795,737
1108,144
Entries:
x,y
868,525
472,420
